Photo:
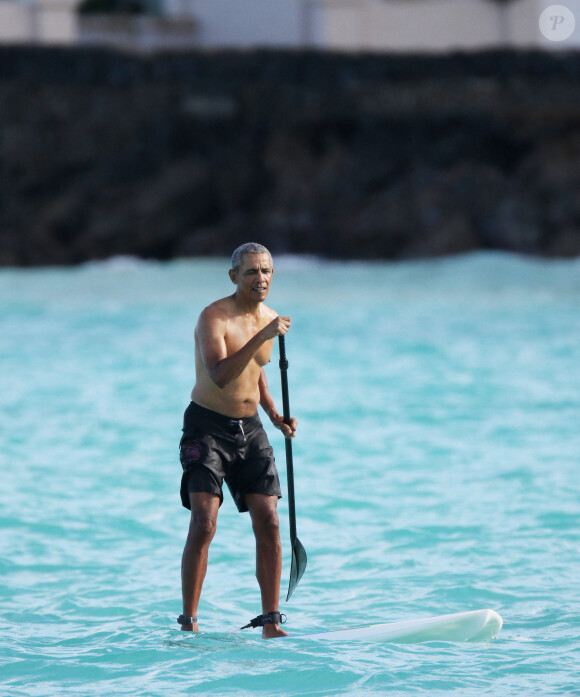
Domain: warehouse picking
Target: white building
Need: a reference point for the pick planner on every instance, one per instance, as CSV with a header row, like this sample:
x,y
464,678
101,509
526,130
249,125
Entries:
x,y
351,25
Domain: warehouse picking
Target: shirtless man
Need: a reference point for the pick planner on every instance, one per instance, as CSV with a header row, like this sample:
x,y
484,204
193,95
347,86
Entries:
x,y
223,436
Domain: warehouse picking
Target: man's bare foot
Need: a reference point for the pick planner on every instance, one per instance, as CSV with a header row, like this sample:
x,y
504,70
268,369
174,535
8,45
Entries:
x,y
190,627
271,631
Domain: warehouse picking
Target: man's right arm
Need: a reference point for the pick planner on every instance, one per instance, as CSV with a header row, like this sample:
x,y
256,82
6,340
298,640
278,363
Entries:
x,y
211,335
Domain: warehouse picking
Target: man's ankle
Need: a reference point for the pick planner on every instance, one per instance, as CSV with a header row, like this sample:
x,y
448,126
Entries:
x,y
188,623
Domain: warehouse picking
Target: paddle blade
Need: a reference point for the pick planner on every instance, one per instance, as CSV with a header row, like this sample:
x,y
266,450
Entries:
x,y
298,566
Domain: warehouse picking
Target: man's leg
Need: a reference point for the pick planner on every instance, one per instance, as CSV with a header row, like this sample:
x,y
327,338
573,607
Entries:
x,y
263,510
202,527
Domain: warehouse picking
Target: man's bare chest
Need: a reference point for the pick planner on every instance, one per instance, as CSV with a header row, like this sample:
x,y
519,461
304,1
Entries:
x,y
236,340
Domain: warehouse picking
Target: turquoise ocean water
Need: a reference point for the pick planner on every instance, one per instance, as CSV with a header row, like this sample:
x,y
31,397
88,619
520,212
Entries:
x,y
436,471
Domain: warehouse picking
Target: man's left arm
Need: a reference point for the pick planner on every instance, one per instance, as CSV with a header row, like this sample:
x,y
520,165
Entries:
x,y
267,404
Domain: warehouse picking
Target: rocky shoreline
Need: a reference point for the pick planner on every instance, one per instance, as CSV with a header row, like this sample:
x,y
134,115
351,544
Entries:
x,y
343,156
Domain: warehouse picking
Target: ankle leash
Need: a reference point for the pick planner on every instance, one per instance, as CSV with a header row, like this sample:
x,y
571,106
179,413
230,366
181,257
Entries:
x,y
270,618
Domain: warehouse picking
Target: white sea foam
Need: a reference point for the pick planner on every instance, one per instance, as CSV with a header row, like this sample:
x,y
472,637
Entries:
x,y
123,262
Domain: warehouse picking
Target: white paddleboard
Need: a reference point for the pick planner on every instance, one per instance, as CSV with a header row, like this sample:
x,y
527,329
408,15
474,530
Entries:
x,y
475,625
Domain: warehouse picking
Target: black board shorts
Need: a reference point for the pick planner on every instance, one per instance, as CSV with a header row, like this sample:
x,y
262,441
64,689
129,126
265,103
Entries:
x,y
215,447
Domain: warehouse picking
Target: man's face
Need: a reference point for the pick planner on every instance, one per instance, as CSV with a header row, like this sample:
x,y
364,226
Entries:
x,y
254,276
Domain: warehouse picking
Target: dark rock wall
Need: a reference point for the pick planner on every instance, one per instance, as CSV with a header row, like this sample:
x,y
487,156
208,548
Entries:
x,y
345,156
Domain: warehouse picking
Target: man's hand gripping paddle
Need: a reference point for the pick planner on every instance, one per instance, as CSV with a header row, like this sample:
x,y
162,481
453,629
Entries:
x,y
298,552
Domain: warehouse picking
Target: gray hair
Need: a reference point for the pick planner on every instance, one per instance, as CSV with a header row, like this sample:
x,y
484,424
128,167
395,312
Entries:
x,y
247,248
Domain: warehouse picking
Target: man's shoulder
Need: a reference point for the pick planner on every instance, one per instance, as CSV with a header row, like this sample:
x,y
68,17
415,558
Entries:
x,y
212,315
268,312
220,308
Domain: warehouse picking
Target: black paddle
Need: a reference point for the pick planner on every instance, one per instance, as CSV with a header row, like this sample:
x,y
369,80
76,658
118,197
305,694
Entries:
x,y
298,566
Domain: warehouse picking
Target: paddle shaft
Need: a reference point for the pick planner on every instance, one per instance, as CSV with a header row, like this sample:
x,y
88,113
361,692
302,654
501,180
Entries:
x,y
288,441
